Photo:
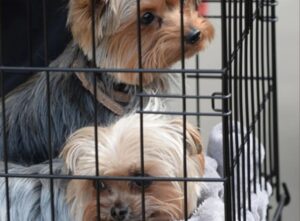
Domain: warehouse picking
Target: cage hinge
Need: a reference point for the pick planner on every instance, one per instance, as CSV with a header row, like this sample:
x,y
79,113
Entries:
x,y
267,18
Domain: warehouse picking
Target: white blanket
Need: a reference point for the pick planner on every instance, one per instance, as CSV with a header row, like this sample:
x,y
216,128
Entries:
x,y
211,207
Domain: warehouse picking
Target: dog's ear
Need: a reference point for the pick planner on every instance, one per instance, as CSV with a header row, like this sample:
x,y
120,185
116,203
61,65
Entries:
x,y
79,152
194,144
193,138
80,19
193,141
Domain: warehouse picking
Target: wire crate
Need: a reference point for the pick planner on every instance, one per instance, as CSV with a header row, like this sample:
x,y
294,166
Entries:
x,y
236,87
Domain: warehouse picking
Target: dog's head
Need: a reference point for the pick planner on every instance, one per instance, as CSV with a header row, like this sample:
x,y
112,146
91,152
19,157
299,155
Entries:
x,y
116,33
119,156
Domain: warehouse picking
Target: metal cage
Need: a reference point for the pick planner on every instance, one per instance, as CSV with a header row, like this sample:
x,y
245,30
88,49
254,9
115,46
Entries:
x,y
245,93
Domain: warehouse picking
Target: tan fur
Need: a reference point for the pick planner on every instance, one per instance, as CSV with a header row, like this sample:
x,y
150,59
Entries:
x,y
117,38
119,155
193,140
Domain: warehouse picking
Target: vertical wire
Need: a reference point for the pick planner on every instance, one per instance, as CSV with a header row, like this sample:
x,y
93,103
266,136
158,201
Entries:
x,y
241,109
263,93
28,24
1,31
93,4
197,61
198,91
198,107
275,106
255,92
270,144
183,80
248,25
258,97
232,170
140,65
252,92
4,139
235,92
48,91
225,118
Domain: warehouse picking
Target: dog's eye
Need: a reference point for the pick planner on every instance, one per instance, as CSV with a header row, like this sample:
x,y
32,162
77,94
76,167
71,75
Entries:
x,y
99,185
139,183
147,18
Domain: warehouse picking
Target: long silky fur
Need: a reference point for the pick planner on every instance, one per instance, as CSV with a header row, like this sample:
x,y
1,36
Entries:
x,y
71,105
30,198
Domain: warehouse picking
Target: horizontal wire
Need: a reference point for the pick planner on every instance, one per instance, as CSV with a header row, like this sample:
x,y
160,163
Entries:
x,y
218,72
227,1
275,3
187,113
112,178
262,18
174,96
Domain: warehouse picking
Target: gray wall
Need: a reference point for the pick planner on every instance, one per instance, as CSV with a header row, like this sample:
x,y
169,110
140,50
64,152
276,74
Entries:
x,y
288,96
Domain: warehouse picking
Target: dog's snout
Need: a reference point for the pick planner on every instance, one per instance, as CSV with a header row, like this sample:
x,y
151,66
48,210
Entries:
x,y
119,213
193,36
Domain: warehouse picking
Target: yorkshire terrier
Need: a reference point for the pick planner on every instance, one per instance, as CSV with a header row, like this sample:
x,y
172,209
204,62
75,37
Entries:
x,y
72,95
119,156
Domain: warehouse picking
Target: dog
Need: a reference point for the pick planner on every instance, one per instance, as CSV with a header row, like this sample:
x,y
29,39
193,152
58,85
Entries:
x,y
119,156
33,137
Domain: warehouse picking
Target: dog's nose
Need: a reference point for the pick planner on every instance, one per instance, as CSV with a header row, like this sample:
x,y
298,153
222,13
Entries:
x,y
193,36
119,213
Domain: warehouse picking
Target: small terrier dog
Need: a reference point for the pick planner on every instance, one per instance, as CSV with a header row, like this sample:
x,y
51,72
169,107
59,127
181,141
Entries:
x,y
72,95
119,156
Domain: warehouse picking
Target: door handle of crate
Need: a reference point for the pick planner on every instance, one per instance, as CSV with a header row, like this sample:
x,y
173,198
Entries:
x,y
219,96
216,96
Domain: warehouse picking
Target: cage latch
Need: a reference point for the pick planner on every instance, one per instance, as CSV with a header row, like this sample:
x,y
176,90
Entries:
x,y
216,96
